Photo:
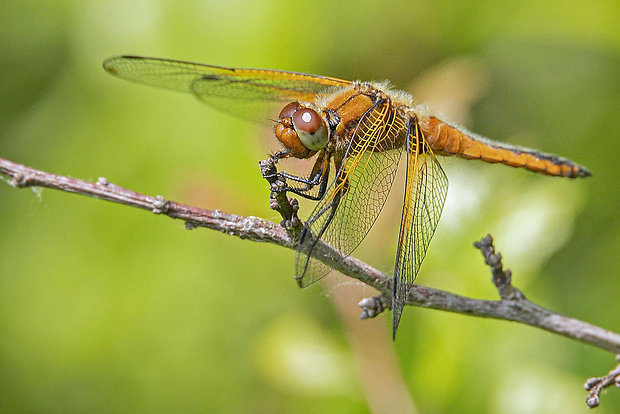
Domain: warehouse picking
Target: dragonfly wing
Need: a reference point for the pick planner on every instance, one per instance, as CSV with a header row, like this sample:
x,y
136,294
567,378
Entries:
x,y
356,196
425,195
237,91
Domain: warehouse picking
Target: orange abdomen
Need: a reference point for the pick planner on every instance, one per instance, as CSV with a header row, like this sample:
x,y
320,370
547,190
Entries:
x,y
447,140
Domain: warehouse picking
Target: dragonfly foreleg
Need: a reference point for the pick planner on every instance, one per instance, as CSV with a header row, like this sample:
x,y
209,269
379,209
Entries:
x,y
318,176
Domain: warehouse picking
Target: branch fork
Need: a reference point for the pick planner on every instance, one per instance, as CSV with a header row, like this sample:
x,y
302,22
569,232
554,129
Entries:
x,y
597,384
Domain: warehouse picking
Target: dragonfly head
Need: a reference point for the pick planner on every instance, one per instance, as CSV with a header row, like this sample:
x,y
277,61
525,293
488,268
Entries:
x,y
301,130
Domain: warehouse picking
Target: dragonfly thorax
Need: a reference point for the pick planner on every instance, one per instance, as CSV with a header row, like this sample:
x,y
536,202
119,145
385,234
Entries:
x,y
301,130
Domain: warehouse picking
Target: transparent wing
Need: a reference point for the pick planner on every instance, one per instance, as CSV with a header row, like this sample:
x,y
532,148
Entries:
x,y
241,92
425,195
356,196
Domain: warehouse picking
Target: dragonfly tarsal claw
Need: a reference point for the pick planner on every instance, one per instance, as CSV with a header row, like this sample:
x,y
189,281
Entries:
x,y
268,168
277,180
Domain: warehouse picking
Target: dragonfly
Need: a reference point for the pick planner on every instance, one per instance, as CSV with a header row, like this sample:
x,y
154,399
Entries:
x,y
356,133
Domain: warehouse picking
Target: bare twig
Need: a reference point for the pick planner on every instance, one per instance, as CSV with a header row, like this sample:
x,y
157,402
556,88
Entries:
x,y
252,228
513,307
287,207
501,278
597,384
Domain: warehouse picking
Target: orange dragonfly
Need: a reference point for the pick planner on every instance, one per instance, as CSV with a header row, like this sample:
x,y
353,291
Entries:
x,y
359,130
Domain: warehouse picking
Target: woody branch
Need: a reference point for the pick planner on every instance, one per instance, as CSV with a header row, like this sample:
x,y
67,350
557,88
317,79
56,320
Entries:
x,y
513,305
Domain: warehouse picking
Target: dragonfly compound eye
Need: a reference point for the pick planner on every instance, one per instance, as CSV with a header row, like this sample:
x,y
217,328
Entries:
x,y
289,110
310,128
287,135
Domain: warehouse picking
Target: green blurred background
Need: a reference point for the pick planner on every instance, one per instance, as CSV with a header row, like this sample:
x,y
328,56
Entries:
x,y
105,308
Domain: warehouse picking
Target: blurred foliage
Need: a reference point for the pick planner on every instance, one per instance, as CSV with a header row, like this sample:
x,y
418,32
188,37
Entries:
x,y
107,309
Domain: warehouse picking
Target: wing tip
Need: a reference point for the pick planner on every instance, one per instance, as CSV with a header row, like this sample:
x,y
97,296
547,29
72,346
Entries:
x,y
395,321
397,311
111,64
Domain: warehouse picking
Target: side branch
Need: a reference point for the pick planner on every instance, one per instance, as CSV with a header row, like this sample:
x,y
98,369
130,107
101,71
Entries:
x,y
597,384
516,309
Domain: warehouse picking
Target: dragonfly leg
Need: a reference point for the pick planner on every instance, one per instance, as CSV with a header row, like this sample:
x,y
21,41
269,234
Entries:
x,y
309,185
318,176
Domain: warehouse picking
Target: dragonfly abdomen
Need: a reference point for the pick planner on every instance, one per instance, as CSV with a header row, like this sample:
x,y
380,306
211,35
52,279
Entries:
x,y
447,140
